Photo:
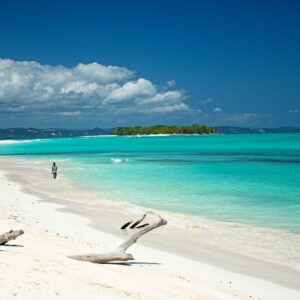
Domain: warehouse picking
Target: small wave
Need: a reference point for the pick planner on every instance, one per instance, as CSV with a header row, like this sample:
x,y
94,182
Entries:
x,y
98,136
116,160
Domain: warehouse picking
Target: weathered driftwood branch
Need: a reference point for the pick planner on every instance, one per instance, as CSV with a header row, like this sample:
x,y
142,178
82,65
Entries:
x,y
10,235
120,253
134,225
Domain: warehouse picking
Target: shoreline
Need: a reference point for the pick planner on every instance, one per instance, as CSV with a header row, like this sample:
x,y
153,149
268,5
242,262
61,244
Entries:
x,y
23,139
203,252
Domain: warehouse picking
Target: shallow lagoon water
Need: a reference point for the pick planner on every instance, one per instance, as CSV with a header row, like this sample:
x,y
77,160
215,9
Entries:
x,y
252,178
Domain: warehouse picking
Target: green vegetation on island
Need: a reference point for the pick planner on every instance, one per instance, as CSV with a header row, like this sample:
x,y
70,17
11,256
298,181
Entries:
x,y
162,129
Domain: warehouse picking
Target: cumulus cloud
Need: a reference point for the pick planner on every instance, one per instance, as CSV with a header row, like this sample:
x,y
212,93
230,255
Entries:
x,y
28,86
217,109
132,90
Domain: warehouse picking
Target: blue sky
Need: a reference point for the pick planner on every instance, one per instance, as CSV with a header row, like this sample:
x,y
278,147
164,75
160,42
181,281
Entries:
x,y
109,63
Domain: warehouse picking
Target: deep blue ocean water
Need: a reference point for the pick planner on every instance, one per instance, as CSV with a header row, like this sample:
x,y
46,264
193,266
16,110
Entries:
x,y
251,178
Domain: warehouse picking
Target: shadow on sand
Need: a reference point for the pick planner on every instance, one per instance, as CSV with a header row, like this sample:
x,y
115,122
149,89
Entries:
x,y
128,264
11,245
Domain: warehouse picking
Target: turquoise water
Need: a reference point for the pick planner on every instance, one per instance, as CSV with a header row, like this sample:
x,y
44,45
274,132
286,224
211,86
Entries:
x,y
253,179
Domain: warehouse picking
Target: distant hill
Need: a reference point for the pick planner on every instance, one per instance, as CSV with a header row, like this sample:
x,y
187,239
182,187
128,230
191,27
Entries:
x,y
47,133
233,129
11,133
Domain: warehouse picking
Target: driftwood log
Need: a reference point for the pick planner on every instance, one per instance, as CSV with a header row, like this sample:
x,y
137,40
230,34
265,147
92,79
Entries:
x,y
10,235
120,254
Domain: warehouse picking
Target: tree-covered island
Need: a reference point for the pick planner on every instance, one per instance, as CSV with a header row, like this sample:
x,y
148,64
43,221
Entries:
x,y
162,129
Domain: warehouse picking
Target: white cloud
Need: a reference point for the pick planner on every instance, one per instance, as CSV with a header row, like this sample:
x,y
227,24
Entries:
x,y
28,86
171,108
132,90
241,118
208,100
171,83
293,111
69,113
217,109
97,72
221,119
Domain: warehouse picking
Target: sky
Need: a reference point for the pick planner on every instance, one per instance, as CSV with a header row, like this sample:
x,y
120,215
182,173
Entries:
x,y
84,64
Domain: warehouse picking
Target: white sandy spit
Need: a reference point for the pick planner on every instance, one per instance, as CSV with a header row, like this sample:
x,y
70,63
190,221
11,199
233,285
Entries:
x,y
8,142
36,266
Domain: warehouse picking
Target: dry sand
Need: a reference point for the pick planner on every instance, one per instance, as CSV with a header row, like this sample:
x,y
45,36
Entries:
x,y
36,266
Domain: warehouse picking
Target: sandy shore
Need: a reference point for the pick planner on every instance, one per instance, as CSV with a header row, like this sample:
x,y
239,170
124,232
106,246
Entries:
x,y
36,266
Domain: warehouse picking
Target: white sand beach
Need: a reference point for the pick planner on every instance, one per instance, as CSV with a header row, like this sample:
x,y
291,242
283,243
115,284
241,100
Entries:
x,y
36,265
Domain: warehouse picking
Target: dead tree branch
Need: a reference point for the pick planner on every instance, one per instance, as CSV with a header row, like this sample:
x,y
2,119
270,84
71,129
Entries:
x,y
10,235
120,253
